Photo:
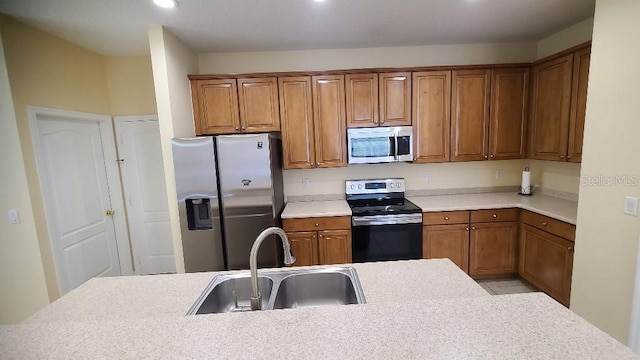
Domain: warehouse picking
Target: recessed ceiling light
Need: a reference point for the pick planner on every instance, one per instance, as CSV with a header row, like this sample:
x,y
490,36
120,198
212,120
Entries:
x,y
166,3
318,0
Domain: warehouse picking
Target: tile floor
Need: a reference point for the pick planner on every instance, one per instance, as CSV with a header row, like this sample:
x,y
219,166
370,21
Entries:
x,y
503,287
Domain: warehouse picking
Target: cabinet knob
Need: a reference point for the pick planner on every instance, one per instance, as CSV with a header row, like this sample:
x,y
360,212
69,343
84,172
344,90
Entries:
x,y
561,156
237,128
466,228
243,128
446,218
570,248
544,224
486,157
495,216
568,156
473,228
317,224
313,237
381,121
492,156
321,236
317,164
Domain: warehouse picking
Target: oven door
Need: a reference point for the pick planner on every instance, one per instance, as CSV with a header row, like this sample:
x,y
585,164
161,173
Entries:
x,y
379,240
379,145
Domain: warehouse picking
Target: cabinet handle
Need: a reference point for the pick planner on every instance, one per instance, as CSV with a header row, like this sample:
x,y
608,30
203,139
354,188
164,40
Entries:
x,y
446,218
317,224
544,224
495,216
466,228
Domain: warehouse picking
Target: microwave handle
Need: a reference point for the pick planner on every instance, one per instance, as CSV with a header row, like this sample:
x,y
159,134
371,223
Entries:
x,y
395,139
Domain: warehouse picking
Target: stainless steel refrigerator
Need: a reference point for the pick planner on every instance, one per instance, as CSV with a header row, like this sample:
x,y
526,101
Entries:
x,y
229,189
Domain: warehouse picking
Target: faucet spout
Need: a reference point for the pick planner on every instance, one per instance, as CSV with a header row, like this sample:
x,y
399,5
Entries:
x,y
256,297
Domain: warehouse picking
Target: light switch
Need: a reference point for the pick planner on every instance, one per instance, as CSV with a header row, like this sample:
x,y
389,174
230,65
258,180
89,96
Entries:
x,y
14,217
631,205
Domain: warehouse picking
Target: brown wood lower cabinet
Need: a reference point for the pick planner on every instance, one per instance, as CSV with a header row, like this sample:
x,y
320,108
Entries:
x,y
328,243
447,241
546,261
492,248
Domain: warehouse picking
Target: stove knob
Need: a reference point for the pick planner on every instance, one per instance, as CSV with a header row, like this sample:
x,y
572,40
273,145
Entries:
x,y
392,185
352,187
360,186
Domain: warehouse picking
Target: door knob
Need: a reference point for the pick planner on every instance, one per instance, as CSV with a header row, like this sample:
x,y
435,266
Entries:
x,y
110,213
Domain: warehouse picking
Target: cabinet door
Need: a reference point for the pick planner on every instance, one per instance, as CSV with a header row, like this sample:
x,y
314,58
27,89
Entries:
x,y
578,104
509,97
470,118
296,114
334,247
362,100
431,115
492,248
447,241
329,121
550,109
395,99
259,104
546,261
304,247
215,106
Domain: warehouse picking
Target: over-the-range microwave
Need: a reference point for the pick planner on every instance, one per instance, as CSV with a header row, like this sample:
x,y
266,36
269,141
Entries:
x,y
380,144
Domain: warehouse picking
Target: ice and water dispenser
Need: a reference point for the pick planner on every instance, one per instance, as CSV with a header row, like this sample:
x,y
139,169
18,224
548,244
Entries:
x,y
199,214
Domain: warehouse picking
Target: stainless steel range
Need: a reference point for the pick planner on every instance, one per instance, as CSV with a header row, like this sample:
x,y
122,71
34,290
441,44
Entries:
x,y
385,225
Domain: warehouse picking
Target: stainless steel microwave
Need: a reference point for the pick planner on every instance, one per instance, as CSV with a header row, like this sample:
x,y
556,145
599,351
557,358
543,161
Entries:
x,y
380,144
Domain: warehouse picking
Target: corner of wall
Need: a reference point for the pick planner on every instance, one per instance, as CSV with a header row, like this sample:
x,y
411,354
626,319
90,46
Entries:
x,y
574,35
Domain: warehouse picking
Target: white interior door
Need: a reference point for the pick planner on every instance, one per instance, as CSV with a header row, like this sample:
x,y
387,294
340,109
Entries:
x,y
145,193
82,197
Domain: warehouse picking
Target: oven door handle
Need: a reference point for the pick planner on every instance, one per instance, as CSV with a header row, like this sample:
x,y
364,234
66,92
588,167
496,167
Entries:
x,y
386,219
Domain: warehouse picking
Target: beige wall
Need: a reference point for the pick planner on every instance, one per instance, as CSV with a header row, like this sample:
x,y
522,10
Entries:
x,y
406,56
130,85
607,240
172,61
50,72
22,279
574,35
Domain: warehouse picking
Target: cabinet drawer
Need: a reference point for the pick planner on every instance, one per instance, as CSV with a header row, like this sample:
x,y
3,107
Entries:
x,y
495,215
318,223
553,226
445,217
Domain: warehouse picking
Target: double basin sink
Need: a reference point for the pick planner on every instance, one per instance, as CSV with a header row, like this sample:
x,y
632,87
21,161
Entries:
x,y
281,289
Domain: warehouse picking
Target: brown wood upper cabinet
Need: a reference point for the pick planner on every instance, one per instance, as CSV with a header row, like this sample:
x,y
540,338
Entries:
x,y
581,62
224,106
312,110
470,100
558,107
431,116
362,100
395,98
509,98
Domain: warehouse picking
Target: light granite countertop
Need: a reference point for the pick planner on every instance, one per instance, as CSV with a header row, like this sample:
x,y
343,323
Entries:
x,y
415,309
557,208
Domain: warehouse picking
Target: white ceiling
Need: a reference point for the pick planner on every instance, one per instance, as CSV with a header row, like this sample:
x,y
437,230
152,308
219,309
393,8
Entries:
x,y
119,27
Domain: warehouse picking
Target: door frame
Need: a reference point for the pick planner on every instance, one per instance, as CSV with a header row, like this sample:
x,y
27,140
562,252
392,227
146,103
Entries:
x,y
113,179
117,122
634,331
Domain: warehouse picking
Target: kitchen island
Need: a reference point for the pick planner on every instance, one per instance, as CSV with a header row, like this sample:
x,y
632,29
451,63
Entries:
x,y
415,309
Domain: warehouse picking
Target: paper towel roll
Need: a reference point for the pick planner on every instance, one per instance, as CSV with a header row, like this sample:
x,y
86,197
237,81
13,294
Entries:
x,y
526,182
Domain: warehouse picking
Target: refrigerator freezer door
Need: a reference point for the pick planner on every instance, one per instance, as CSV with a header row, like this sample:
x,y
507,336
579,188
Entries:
x,y
196,186
244,162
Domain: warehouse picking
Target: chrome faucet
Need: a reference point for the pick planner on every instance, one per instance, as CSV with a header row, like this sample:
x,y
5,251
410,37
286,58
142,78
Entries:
x,y
256,297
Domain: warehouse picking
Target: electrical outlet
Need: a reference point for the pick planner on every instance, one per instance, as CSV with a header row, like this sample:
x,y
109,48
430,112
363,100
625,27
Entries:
x,y
427,178
498,174
631,205
305,183
14,217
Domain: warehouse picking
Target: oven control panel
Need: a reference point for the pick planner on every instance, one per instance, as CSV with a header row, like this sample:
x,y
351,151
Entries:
x,y
374,186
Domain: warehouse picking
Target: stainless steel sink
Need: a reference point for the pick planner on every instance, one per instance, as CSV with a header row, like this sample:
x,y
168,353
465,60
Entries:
x,y
281,289
230,293
315,289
